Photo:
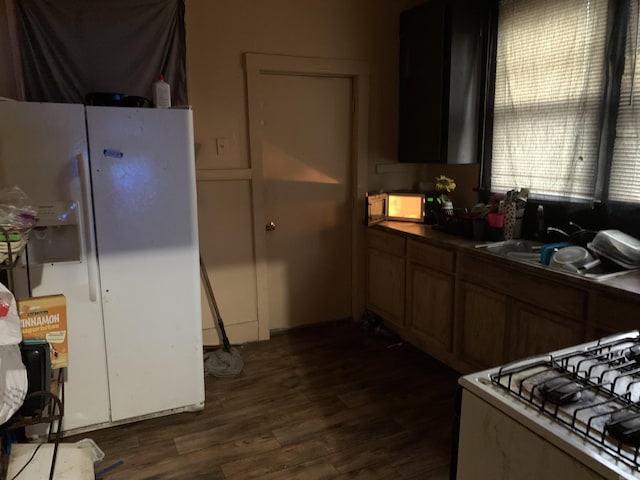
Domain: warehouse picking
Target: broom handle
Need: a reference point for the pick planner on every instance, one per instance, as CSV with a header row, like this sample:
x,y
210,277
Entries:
x,y
212,301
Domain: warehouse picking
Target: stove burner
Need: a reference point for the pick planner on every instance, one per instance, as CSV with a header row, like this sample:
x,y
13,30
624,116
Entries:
x,y
633,353
624,426
561,391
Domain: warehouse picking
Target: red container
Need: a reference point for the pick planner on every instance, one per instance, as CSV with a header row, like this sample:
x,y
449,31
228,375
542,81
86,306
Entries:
x,y
496,220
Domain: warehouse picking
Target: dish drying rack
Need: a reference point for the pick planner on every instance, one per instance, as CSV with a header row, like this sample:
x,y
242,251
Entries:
x,y
12,249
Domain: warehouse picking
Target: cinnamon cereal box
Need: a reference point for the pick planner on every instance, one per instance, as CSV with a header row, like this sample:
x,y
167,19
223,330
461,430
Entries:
x,y
46,318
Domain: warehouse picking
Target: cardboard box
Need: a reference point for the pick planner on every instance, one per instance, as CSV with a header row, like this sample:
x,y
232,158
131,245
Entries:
x,y
46,318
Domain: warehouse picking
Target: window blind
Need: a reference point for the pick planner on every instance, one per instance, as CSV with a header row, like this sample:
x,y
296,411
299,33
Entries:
x,y
550,69
624,185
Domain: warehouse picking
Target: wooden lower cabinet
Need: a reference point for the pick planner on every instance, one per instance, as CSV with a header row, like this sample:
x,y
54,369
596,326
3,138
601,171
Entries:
x,y
430,307
536,331
386,277
496,329
609,315
474,313
483,324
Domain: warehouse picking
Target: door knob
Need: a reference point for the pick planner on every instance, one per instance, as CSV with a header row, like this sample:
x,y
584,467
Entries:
x,y
270,227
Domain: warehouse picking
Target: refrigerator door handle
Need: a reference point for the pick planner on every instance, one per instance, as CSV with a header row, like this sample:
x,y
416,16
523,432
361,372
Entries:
x,y
88,233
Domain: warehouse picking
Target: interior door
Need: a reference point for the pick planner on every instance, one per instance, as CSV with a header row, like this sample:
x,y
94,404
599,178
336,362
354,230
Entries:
x,y
306,156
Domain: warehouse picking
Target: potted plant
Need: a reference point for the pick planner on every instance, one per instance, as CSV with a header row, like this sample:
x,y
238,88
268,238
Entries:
x,y
444,186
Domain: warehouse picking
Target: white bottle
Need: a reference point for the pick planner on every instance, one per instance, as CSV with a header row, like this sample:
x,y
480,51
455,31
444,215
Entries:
x,y
161,93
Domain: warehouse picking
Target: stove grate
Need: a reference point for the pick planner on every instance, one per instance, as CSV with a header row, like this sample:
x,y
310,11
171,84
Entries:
x,y
592,390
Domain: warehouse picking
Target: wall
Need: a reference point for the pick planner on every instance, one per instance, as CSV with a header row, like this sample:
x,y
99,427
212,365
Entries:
x,y
218,33
466,178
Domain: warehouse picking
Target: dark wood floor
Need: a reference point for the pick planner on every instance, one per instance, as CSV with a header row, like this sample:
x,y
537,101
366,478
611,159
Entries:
x,y
326,402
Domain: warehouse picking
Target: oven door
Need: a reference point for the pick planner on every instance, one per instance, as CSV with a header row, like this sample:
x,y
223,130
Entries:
x,y
492,445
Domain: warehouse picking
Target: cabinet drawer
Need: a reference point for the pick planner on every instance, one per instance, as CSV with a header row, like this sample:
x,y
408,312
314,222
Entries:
x,y
552,296
386,242
431,256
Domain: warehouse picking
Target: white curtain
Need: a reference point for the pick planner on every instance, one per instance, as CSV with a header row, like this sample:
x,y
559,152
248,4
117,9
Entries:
x,y
549,86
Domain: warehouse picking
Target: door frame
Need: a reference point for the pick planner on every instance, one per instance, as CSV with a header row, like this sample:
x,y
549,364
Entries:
x,y
257,64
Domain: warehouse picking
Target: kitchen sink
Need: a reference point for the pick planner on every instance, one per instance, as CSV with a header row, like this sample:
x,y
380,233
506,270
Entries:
x,y
520,250
530,252
516,249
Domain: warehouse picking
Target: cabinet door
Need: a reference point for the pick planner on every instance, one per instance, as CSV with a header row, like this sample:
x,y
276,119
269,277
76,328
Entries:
x,y
469,25
423,77
385,286
609,315
538,331
483,325
430,303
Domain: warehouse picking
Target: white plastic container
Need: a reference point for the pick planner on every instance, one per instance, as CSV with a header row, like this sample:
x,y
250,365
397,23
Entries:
x,y
570,258
161,93
617,246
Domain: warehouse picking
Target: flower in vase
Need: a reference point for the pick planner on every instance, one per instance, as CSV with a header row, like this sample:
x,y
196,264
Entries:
x,y
444,185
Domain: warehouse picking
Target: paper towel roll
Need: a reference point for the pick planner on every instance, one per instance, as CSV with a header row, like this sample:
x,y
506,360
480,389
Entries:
x,y
509,220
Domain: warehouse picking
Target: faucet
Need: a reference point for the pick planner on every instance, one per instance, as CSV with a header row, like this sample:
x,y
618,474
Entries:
x,y
557,230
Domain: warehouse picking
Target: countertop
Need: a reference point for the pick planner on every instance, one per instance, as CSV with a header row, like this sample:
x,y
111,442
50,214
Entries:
x,y
627,285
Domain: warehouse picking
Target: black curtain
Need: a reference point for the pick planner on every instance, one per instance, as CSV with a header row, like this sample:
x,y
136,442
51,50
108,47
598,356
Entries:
x,y
70,48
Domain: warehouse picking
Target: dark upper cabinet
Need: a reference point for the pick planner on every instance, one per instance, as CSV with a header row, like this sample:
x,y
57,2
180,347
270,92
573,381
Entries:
x,y
423,82
443,46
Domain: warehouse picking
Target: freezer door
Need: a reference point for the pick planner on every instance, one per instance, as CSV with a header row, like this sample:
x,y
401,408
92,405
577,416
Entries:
x,y
43,149
143,174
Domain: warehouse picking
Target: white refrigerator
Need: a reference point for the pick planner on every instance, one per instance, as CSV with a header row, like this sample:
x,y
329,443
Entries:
x,y
118,237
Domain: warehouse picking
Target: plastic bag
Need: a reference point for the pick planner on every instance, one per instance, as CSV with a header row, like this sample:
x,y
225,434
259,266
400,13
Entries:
x,y
13,381
16,210
96,453
6,299
10,332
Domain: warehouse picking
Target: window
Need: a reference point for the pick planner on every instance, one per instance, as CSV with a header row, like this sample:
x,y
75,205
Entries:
x,y
559,99
625,167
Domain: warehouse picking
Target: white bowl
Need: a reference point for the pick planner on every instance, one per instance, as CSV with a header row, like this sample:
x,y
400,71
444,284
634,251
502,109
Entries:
x,y
570,258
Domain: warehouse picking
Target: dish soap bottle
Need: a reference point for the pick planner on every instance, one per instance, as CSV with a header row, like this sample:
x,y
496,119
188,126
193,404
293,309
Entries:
x,y
540,230
161,93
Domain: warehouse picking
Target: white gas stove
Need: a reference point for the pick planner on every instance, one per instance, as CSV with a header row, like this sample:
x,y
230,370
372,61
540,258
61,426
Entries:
x,y
574,413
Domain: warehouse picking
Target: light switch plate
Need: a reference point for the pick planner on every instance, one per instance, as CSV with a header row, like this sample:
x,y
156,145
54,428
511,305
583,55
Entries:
x,y
222,145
